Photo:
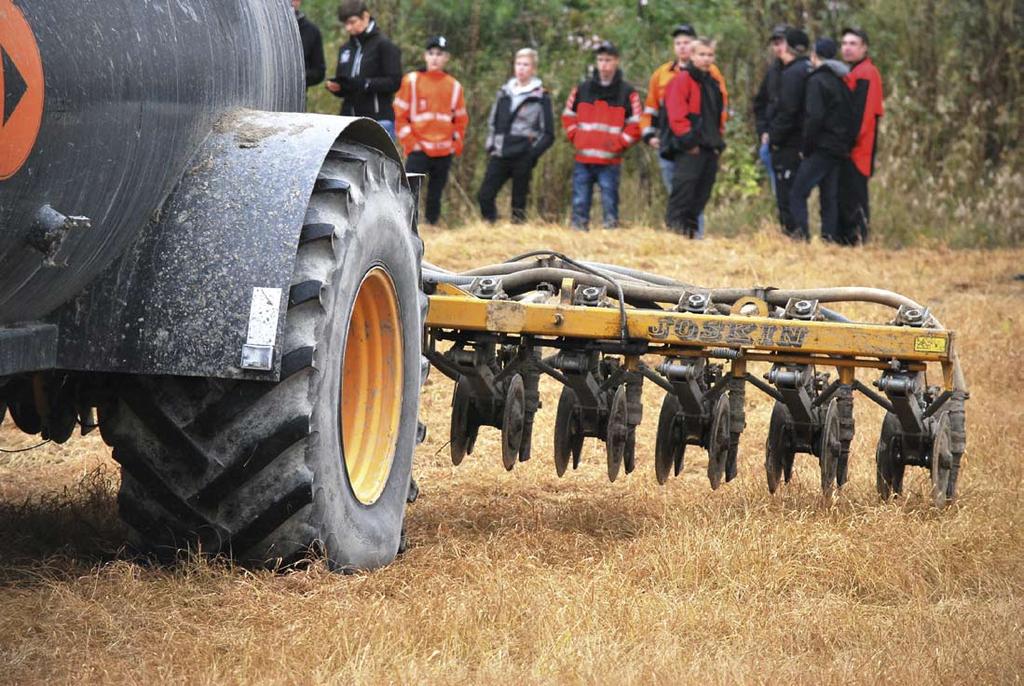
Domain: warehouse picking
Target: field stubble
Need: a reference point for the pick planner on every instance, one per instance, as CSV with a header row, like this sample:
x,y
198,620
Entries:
x,y
525,577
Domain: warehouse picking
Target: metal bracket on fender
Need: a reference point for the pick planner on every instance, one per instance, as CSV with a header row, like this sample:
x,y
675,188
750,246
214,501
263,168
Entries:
x,y
183,299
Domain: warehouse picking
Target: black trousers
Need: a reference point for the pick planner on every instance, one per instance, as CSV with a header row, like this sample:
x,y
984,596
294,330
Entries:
x,y
786,162
854,211
499,171
692,182
821,170
436,169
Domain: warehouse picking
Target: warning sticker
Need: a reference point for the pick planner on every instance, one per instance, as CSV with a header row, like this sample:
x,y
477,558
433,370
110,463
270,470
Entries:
x,y
21,82
930,344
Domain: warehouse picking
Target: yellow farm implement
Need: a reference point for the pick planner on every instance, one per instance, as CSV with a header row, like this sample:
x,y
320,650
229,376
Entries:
x,y
602,331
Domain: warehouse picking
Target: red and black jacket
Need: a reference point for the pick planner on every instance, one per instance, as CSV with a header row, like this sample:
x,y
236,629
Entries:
x,y
602,122
693,106
866,84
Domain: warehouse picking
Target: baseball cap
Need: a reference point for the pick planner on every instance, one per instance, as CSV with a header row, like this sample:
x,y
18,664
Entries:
x,y
606,47
779,31
797,39
438,42
857,31
684,30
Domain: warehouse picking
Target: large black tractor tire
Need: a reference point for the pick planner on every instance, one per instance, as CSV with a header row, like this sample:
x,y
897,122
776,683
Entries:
x,y
322,460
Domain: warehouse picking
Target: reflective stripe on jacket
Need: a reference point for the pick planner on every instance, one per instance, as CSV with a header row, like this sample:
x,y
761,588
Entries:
x,y
602,121
430,114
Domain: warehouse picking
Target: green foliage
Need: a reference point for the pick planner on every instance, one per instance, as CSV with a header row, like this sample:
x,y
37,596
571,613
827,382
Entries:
x,y
950,162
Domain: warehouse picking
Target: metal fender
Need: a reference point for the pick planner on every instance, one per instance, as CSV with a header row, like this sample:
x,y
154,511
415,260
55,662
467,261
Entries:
x,y
209,277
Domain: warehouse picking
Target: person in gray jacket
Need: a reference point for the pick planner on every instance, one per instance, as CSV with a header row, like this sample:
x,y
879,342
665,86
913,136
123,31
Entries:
x,y
520,129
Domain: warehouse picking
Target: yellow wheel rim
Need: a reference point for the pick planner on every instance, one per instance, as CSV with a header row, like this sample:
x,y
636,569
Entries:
x,y
371,386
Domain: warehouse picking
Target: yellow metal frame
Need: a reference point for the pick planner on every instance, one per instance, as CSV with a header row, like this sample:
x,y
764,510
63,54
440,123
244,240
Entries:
x,y
754,338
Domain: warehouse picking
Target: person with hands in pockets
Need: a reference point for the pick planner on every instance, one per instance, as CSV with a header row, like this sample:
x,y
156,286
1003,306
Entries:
x,y
519,130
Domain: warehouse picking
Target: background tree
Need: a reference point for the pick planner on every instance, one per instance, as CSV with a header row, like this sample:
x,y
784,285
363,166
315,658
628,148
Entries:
x,y
950,159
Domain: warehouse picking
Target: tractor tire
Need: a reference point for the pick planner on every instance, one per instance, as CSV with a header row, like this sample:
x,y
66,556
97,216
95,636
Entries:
x,y
321,460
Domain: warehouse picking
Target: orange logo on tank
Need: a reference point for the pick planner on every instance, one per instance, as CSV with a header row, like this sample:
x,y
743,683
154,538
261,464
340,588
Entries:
x,y
22,85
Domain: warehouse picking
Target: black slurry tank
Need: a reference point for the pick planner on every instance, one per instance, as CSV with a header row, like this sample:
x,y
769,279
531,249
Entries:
x,y
130,90
226,286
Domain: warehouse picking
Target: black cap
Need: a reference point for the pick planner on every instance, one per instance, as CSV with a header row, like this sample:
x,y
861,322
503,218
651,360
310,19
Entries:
x,y
825,48
797,39
606,47
684,30
779,32
438,42
857,31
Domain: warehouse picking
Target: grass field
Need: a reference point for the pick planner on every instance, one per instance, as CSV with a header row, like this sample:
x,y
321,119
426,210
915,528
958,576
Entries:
x,y
523,577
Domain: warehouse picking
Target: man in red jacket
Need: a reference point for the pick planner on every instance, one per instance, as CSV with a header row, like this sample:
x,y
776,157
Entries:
x,y
693,138
866,84
602,120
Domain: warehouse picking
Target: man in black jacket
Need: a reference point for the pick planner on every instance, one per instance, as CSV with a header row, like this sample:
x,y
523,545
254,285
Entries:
x,y
785,132
767,99
369,70
828,137
312,47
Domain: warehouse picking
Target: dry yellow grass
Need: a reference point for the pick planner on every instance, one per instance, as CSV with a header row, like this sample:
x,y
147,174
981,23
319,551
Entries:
x,y
523,577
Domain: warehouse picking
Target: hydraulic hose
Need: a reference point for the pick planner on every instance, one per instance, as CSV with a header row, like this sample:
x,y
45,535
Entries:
x,y
641,276
844,294
541,263
427,266
519,280
431,276
521,276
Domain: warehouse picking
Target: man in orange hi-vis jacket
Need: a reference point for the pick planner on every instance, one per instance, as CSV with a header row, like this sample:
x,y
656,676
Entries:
x,y
431,119
683,36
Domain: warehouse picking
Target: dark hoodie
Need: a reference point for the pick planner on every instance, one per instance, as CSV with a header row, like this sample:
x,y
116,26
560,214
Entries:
x,y
312,49
828,111
767,98
370,73
785,130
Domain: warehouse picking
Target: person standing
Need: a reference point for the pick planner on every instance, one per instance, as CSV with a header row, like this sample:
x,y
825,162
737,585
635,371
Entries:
x,y
602,120
785,131
431,118
693,138
866,83
767,99
312,47
519,130
369,69
683,36
827,138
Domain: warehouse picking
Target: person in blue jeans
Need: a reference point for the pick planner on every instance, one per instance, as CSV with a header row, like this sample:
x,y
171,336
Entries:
x,y
767,99
602,120
606,176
